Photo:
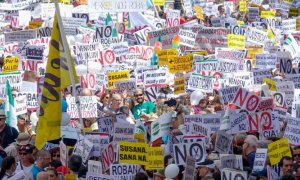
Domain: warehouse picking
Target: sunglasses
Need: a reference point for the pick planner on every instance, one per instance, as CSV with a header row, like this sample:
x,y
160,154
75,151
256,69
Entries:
x,y
23,154
137,95
56,155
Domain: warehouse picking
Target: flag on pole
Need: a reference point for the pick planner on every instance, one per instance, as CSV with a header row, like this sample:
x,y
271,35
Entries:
x,y
56,78
10,111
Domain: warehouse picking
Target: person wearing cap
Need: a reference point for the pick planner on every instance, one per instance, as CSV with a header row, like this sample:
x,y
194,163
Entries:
x,y
8,134
143,109
26,159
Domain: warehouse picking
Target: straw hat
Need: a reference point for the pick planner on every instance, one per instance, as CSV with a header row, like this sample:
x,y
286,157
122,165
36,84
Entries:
x,y
23,139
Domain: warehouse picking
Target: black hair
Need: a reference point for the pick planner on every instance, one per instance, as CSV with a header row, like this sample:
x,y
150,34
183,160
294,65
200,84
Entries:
x,y
6,165
75,163
140,176
284,158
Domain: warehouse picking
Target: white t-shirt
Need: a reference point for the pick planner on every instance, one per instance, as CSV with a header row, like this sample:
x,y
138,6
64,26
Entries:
x,y
24,168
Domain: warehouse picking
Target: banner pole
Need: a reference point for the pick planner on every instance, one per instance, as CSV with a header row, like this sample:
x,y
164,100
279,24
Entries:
x,y
68,55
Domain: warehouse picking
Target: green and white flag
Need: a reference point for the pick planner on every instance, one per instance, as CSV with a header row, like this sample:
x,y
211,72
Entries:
x,y
10,111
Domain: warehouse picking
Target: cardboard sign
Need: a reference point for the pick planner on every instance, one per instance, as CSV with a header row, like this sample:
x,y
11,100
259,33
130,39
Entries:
x,y
187,38
227,94
291,131
189,168
223,142
155,78
133,153
180,64
233,174
81,16
107,156
258,75
173,18
128,86
260,159
94,6
141,35
278,149
35,52
246,100
265,61
288,88
239,123
45,32
152,93
120,49
167,35
86,52
229,66
11,64
123,132
31,101
117,76
123,170
288,25
107,57
18,36
94,167
198,82
194,149
99,176
71,24
155,158
14,80
256,36
236,41
160,126
164,55
271,83
88,107
231,161
205,66
99,142
179,85
20,105
83,148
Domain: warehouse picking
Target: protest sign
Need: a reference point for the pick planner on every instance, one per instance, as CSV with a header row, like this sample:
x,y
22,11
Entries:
x,y
107,156
204,83
94,167
239,123
152,93
288,25
205,67
155,78
117,76
14,80
189,168
246,100
155,158
256,36
288,88
86,52
236,41
265,61
271,83
20,105
120,49
105,124
35,52
19,36
31,101
187,38
295,78
81,16
167,35
233,174
89,81
229,66
227,94
194,149
99,141
45,31
71,24
83,148
180,64
128,86
260,159
141,35
99,176
123,170
278,149
11,64
173,18
88,107
292,130
161,126
259,74
179,85
223,142
164,55
231,161
133,153
95,6
123,132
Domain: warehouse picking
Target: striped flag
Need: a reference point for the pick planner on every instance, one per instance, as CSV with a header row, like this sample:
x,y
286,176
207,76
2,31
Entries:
x,y
10,111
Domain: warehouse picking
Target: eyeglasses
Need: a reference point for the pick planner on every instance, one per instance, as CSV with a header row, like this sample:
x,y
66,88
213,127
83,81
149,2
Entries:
x,y
56,155
296,155
137,95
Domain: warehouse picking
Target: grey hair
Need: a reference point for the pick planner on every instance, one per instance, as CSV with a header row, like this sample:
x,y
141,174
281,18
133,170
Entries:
x,y
252,141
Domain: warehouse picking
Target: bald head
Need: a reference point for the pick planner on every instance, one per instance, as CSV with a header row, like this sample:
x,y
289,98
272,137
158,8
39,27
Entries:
x,y
86,92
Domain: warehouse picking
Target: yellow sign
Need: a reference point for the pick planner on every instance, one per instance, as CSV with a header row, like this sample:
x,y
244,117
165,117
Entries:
x,y
278,149
270,83
179,85
267,14
298,24
34,24
159,2
11,64
180,64
293,12
236,41
253,50
155,158
243,6
117,76
163,56
199,12
133,153
140,137
240,22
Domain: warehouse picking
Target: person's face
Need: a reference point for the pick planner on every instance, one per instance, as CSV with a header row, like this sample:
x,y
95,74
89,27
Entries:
x,y
51,175
202,103
287,166
105,100
2,122
139,97
296,154
46,160
56,156
116,102
24,156
14,94
87,122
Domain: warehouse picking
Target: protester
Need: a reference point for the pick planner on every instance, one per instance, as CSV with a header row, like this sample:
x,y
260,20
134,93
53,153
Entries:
x,y
8,134
26,159
8,168
42,161
286,165
143,109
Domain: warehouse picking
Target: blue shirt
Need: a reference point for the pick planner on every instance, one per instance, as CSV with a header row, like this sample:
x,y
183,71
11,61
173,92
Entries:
x,y
34,171
250,159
